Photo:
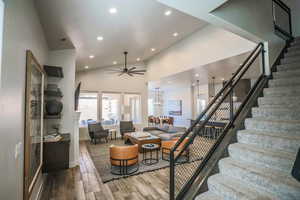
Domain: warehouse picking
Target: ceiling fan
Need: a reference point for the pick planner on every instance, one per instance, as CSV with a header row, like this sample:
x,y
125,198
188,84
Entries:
x,y
129,71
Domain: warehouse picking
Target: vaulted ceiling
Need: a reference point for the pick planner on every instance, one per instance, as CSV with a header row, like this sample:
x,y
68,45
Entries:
x,y
100,35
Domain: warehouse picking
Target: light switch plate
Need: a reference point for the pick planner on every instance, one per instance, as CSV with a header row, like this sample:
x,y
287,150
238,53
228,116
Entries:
x,y
18,150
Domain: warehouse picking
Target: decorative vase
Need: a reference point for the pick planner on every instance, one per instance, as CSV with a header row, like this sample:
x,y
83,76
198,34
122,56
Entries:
x,y
54,107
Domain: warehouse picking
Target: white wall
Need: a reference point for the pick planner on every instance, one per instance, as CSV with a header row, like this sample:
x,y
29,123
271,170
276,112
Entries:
x,y
260,25
250,19
208,45
204,92
22,31
184,94
66,59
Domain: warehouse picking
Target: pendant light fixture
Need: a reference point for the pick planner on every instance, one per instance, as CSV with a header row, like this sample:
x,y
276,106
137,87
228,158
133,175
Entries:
x,y
157,96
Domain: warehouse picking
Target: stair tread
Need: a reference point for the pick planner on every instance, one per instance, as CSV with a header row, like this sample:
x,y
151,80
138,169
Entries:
x,y
275,176
208,196
276,108
265,151
289,66
260,119
285,79
283,87
238,189
296,97
286,74
269,134
278,101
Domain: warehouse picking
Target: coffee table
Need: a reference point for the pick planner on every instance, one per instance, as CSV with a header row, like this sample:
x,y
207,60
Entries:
x,y
141,138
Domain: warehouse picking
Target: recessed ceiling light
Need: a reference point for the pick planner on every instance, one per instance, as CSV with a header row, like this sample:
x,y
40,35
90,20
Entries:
x,y
86,67
197,75
138,59
153,49
99,38
175,34
168,12
222,79
113,10
115,62
92,56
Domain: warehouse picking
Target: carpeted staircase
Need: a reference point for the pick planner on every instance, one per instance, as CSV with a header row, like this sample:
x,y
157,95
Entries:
x,y
260,164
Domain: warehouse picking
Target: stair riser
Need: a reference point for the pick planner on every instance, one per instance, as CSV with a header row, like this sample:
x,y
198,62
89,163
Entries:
x,y
261,159
208,196
290,60
294,48
280,128
269,113
279,102
292,54
283,191
287,74
279,92
295,44
288,67
284,82
269,142
222,191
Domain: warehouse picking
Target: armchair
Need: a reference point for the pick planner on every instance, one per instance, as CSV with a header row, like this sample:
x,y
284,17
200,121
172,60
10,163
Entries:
x,y
97,132
126,127
166,147
124,159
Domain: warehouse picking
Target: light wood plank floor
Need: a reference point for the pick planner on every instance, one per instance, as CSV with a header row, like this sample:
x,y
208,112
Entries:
x,y
80,183
84,183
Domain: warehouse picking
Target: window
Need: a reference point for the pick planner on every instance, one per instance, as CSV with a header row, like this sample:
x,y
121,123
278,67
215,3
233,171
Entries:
x,y
132,108
150,107
88,106
110,108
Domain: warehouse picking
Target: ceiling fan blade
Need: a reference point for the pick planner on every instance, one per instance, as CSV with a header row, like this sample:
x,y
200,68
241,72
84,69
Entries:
x,y
129,74
132,68
121,73
113,70
138,73
142,70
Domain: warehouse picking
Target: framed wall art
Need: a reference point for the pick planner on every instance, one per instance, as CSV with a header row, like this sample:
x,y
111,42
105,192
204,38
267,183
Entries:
x,y
175,107
34,114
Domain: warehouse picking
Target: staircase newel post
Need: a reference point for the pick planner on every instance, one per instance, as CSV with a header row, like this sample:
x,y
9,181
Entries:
x,y
231,103
172,176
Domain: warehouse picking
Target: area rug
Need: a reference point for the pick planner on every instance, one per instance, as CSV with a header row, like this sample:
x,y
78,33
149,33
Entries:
x,y
100,156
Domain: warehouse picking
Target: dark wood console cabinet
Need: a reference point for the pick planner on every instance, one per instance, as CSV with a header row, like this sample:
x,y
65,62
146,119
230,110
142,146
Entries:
x,y
56,154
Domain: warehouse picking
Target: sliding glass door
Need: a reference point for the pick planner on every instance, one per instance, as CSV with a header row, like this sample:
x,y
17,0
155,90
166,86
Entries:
x,y
132,108
111,108
88,106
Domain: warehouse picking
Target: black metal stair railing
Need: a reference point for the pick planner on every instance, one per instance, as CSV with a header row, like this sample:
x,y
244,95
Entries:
x,y
219,116
282,19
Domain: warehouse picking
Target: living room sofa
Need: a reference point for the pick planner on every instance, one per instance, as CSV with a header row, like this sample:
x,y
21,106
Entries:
x,y
165,132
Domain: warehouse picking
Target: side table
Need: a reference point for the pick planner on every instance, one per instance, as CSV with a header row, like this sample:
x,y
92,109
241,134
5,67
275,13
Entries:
x,y
150,154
